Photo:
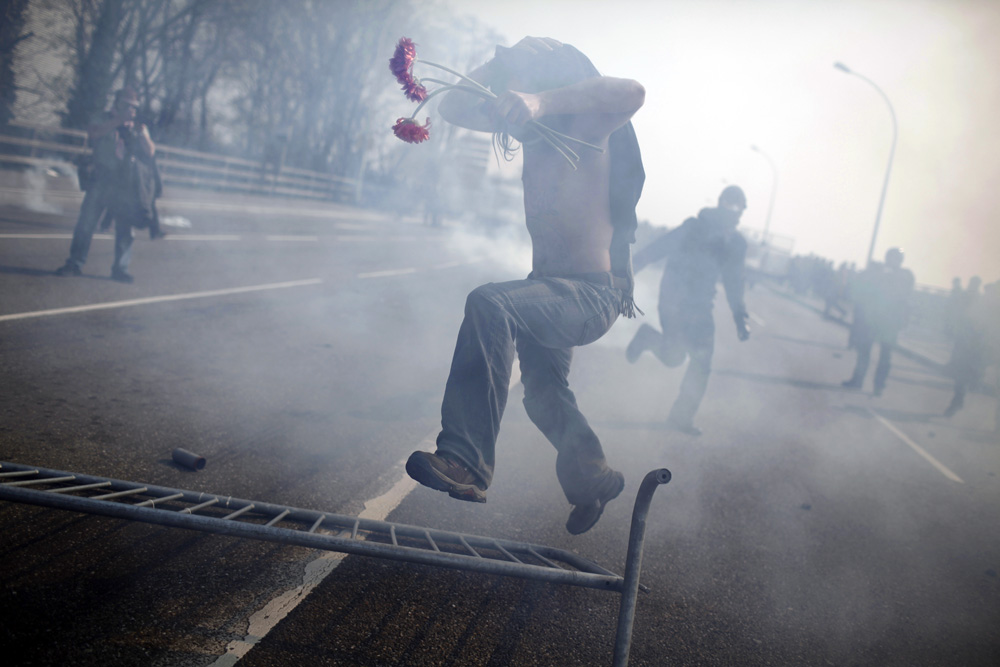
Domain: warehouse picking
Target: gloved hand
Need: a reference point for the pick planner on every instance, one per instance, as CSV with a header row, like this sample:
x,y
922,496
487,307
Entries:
x,y
742,330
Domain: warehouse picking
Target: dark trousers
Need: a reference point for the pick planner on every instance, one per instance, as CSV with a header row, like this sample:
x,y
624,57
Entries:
x,y
540,320
864,341
686,332
92,211
123,244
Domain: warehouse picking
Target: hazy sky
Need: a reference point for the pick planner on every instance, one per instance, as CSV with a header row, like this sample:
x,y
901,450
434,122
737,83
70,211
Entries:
x,y
723,75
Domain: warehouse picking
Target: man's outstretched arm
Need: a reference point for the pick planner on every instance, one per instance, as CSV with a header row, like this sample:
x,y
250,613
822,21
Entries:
x,y
611,101
614,99
733,282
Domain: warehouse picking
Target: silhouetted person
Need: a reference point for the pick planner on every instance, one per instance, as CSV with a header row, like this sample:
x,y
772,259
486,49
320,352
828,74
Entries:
x,y
698,253
881,310
952,308
122,185
836,290
580,228
976,344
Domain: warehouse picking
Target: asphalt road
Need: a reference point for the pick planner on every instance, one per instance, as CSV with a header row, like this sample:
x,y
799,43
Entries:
x,y
302,349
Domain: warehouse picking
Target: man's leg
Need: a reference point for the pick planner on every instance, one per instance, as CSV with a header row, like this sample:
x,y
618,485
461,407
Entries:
x,y
863,344
91,211
957,399
882,368
581,467
646,338
123,249
550,312
699,335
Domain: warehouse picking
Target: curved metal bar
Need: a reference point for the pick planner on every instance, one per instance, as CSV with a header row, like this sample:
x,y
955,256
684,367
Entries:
x,y
633,563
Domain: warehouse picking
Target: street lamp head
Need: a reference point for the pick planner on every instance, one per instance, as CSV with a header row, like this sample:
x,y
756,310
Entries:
x,y
842,67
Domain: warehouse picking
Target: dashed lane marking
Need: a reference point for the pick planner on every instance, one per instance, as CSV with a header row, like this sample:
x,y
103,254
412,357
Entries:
x,y
917,448
402,272
158,299
265,619
51,236
387,273
203,237
756,320
210,293
222,237
291,238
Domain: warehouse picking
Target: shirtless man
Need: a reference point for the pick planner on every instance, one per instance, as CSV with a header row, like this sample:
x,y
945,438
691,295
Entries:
x,y
579,282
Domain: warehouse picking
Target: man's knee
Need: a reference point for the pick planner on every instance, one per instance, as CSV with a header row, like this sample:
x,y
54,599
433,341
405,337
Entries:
x,y
701,356
482,300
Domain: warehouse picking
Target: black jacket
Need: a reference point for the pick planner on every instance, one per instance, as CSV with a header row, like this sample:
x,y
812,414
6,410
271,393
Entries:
x,y
698,253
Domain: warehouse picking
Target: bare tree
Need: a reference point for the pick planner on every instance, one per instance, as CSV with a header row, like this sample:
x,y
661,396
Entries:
x,y
11,34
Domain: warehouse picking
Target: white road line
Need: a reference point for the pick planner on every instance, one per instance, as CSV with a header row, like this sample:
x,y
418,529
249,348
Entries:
x,y
756,320
265,619
158,299
219,237
203,237
291,238
917,448
387,273
108,237
452,265
384,239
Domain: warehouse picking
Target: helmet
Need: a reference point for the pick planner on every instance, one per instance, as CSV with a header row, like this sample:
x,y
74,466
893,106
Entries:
x,y
894,254
733,194
894,257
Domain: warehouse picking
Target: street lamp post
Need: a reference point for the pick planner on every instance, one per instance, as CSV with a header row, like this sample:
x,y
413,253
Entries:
x,y
774,187
892,152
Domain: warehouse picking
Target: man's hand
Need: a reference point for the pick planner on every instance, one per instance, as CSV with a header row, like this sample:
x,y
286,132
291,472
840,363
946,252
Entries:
x,y
742,330
514,108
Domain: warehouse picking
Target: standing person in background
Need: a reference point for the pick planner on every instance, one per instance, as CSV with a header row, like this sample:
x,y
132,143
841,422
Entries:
x,y
881,310
977,345
698,253
581,219
121,184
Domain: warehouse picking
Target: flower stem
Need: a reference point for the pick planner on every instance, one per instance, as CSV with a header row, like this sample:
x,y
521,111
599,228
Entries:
x,y
573,139
459,75
551,137
428,99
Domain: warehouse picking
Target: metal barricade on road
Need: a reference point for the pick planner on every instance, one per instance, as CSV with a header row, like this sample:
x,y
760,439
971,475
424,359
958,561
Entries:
x,y
333,532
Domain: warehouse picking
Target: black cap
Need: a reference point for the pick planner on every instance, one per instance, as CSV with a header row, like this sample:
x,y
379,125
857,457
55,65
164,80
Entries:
x,y
733,194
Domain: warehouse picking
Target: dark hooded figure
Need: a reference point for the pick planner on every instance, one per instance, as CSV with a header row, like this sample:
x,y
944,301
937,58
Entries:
x,y
698,253
580,214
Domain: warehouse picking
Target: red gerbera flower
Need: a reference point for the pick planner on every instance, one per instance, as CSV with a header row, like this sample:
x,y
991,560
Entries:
x,y
414,91
402,60
410,131
401,66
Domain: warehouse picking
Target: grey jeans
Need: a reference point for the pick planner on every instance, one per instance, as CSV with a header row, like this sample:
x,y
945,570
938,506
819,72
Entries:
x,y
541,319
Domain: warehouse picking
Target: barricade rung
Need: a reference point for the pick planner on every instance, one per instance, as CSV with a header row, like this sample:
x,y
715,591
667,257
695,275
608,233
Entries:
x,y
411,544
238,513
82,487
278,518
152,501
121,494
42,480
19,473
